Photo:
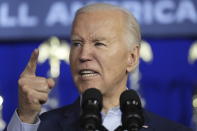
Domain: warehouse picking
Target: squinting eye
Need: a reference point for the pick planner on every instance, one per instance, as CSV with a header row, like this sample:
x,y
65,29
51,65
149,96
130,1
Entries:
x,y
99,44
76,44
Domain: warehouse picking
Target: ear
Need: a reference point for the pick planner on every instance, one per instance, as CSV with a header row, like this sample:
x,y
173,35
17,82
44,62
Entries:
x,y
133,58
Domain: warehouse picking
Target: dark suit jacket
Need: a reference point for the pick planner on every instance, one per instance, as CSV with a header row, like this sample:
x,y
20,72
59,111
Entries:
x,y
67,119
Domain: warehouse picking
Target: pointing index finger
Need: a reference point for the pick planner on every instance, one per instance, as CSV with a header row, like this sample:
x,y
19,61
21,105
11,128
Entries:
x,y
30,69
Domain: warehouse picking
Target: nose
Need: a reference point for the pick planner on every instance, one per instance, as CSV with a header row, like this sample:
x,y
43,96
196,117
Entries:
x,y
85,53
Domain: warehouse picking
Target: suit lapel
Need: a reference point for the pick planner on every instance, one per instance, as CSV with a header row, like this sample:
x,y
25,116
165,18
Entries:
x,y
70,121
147,124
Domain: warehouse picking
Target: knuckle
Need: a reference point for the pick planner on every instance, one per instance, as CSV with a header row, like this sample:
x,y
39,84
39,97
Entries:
x,y
21,81
44,86
24,88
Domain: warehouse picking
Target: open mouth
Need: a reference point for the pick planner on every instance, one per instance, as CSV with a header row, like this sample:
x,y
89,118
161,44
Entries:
x,y
87,73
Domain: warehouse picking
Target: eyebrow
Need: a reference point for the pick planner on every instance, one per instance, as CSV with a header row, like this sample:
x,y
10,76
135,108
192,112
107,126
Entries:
x,y
76,37
99,39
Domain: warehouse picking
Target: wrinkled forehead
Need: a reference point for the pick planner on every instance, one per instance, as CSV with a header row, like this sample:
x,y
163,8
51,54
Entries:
x,y
98,19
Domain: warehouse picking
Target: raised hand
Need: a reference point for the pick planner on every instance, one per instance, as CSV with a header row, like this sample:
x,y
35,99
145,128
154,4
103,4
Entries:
x,y
33,91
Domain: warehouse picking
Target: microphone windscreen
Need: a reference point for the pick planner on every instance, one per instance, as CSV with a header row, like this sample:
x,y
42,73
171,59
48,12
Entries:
x,y
92,94
132,113
131,98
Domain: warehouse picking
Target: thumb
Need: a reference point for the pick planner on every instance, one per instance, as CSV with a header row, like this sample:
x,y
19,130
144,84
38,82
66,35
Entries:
x,y
51,83
30,69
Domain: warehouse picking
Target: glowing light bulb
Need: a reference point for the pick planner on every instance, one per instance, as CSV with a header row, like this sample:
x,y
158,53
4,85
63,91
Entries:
x,y
1,100
195,102
146,52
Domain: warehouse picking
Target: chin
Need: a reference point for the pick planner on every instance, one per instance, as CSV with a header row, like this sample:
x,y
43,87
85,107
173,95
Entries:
x,y
84,88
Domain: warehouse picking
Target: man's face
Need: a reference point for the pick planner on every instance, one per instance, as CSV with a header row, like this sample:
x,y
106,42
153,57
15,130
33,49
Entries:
x,y
99,55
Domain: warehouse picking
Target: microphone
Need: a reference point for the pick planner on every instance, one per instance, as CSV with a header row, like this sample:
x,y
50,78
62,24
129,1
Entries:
x,y
132,114
91,105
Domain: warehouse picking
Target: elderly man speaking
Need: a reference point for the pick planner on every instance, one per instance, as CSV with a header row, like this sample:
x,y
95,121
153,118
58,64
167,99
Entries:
x,y
105,48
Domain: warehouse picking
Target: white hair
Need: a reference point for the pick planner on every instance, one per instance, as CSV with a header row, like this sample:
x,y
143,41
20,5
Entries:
x,y
132,34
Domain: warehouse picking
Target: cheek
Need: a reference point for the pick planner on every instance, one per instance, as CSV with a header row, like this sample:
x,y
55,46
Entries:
x,y
117,59
115,64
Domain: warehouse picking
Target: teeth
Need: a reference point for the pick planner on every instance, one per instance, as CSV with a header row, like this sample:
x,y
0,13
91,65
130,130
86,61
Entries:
x,y
87,72
84,72
88,75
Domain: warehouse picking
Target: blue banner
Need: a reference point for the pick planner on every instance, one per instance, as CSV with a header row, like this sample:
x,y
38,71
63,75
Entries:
x,y
37,19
